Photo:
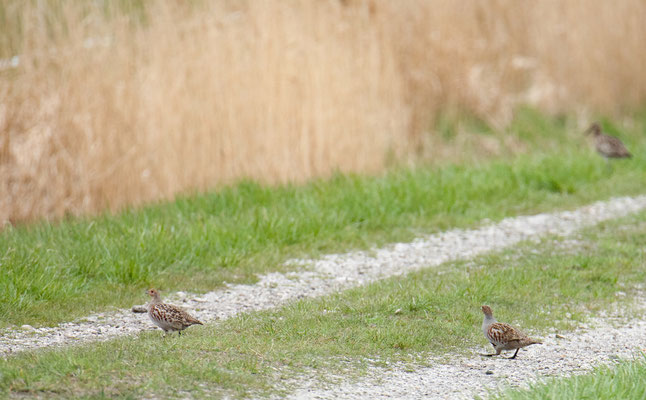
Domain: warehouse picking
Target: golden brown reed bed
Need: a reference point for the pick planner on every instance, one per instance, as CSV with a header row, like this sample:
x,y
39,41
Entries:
x,y
109,109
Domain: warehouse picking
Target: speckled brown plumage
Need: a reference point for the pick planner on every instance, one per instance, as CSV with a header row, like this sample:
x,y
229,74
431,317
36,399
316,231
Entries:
x,y
503,336
167,316
606,145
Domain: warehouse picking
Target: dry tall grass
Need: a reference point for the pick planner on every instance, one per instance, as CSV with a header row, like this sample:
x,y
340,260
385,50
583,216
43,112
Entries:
x,y
105,112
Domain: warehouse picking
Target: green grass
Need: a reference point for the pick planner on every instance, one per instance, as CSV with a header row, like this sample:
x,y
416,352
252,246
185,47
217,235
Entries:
x,y
624,381
439,314
55,272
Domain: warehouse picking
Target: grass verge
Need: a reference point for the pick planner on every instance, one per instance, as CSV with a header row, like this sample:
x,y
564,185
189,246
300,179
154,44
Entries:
x,y
626,380
55,272
438,313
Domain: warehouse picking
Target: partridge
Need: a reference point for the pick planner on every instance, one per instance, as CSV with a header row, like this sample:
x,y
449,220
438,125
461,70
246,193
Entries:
x,y
168,317
503,336
606,145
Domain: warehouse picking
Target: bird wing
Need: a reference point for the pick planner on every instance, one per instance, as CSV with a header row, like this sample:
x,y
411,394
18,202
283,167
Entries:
x,y
176,316
612,147
505,333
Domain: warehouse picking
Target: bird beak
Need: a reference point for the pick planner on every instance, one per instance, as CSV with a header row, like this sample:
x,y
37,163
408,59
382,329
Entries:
x,y
587,131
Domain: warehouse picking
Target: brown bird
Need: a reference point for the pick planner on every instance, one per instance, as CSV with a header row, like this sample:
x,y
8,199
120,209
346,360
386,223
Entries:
x,y
606,145
168,317
503,336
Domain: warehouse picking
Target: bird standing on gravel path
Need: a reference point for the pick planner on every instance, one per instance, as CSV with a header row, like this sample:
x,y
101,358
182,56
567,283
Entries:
x,y
606,145
168,317
503,336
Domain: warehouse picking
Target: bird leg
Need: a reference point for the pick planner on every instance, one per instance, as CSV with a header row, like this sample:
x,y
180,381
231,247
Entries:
x,y
609,168
497,353
514,356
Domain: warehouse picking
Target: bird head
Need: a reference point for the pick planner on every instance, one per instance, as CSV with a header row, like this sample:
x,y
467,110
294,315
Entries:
x,y
487,311
595,129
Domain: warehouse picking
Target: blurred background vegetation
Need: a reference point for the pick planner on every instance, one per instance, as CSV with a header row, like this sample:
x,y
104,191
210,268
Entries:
x,y
106,104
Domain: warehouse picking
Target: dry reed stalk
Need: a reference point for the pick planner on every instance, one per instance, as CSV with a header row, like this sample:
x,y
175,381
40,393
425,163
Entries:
x,y
281,90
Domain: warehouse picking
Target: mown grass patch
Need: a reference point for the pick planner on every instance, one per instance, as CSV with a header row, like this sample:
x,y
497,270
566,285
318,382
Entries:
x,y
626,380
434,311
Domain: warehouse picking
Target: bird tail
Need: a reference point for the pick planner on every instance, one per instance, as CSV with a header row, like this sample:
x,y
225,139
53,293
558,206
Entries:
x,y
535,341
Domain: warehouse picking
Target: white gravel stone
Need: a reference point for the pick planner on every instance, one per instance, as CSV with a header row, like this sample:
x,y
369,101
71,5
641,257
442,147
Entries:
x,y
329,274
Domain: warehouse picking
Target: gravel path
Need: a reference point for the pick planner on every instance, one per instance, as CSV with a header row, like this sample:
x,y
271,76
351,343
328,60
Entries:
x,y
604,341
328,274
